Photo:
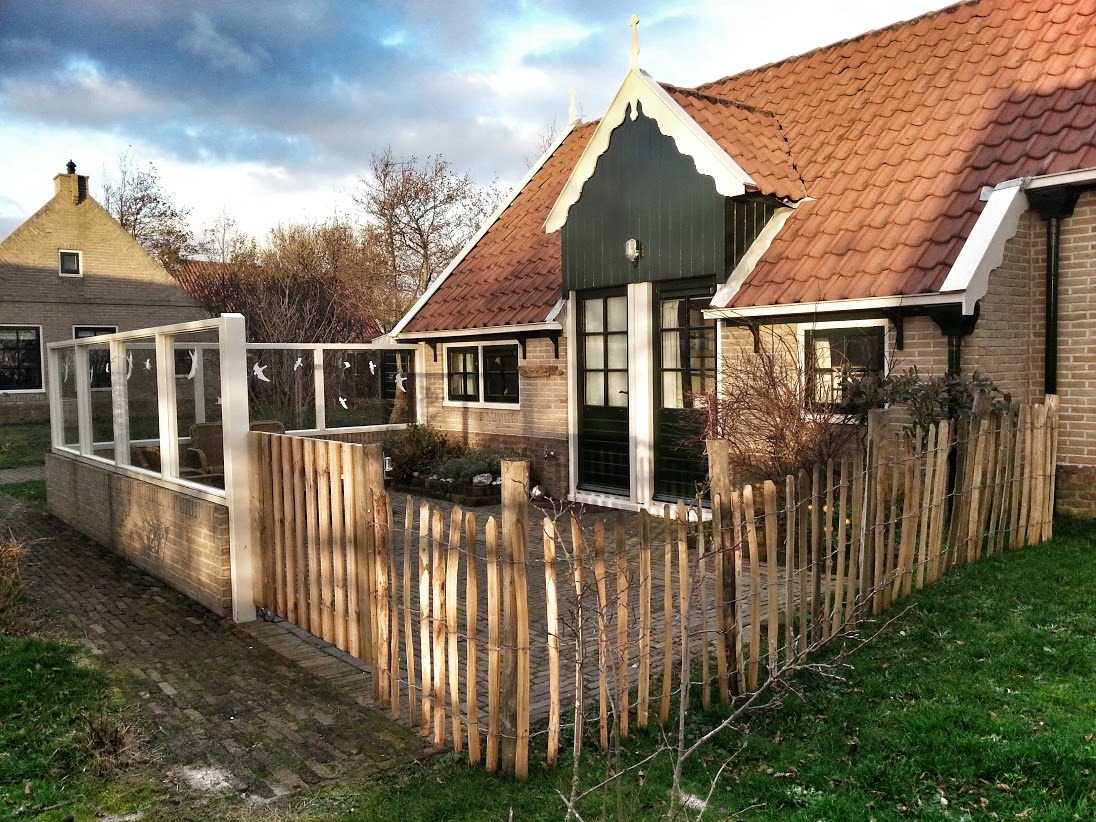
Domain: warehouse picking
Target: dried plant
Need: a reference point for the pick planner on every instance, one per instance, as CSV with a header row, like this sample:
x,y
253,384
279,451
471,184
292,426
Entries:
x,y
763,410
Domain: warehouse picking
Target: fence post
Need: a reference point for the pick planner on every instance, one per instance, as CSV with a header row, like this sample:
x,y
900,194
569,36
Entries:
x,y
234,419
514,686
368,482
720,481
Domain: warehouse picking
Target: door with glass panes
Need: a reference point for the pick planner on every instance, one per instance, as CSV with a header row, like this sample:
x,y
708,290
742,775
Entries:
x,y
603,428
686,359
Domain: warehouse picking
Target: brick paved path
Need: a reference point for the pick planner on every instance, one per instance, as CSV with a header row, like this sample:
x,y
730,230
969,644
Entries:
x,y
267,707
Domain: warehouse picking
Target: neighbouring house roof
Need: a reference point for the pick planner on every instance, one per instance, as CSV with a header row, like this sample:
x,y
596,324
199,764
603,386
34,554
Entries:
x,y
885,143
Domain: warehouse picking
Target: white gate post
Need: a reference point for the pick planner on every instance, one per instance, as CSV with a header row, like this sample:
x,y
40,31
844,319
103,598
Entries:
x,y
234,423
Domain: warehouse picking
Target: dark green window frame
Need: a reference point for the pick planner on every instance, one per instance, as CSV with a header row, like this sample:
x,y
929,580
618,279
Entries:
x,y
487,373
462,374
21,358
500,374
852,352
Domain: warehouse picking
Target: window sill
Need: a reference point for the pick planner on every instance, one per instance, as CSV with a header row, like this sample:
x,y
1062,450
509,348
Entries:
x,y
486,406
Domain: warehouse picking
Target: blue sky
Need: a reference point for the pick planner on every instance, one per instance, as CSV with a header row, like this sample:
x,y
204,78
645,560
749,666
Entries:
x,y
269,111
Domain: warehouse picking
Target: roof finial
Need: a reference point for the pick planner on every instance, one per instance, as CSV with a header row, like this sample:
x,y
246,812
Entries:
x,y
633,52
572,112
71,166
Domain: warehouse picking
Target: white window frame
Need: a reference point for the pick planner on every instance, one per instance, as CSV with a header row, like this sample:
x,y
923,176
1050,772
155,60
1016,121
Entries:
x,y
79,263
801,330
480,403
41,360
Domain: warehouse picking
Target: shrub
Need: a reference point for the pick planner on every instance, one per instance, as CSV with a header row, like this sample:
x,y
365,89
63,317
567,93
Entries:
x,y
414,449
461,468
945,397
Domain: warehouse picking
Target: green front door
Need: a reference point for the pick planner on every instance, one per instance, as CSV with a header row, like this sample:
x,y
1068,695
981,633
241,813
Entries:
x,y
603,431
686,358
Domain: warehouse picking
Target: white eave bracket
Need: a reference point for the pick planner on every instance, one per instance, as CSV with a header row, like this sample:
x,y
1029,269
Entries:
x,y
984,249
640,90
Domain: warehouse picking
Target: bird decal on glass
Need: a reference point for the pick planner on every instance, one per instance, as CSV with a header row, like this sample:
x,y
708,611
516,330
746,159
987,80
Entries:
x,y
342,402
259,372
299,363
372,367
401,379
193,363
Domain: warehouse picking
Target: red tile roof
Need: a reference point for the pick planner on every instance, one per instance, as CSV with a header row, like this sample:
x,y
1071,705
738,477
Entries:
x,y
753,137
890,136
512,276
896,132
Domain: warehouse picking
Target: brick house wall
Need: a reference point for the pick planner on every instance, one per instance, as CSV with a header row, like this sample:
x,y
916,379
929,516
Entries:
x,y
121,285
1007,344
537,429
179,539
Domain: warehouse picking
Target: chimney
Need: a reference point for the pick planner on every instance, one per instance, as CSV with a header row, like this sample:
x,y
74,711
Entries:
x,y
72,184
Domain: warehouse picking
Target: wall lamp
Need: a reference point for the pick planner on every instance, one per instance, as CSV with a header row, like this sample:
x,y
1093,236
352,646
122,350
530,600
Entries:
x,y
633,250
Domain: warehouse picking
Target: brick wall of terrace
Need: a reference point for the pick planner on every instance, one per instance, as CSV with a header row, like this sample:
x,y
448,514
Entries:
x,y
180,539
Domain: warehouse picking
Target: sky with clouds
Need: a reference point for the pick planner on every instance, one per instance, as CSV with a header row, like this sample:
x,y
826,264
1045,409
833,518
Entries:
x,y
270,111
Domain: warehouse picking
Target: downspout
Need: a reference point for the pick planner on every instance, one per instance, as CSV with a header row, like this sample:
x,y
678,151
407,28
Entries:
x,y
1050,342
1053,205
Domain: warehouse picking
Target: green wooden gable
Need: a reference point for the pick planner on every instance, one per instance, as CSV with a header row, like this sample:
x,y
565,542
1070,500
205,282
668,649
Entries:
x,y
644,189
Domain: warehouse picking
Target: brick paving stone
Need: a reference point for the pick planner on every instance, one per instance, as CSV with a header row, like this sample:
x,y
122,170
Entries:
x,y
213,694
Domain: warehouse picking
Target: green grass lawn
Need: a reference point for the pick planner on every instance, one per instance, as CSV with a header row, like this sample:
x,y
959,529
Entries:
x,y
979,702
24,445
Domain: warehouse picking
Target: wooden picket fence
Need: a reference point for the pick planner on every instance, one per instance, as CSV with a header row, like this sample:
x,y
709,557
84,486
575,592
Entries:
x,y
489,642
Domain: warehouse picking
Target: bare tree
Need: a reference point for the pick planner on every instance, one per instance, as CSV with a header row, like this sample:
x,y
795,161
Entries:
x,y
138,200
422,214
223,242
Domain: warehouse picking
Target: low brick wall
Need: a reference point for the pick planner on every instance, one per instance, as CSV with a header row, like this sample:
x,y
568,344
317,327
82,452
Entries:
x,y
1075,491
177,538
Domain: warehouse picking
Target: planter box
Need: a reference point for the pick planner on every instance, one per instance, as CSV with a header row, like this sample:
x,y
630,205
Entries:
x,y
459,494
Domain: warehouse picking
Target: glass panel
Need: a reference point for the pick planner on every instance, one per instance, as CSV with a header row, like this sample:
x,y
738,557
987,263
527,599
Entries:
x,y
670,313
671,349
398,385
618,388
595,353
616,312
821,353
595,389
102,410
618,350
593,315
281,386
66,364
700,384
142,394
671,390
352,385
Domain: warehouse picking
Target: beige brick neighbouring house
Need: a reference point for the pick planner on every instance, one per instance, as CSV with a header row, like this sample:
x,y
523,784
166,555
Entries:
x,y
923,194
72,270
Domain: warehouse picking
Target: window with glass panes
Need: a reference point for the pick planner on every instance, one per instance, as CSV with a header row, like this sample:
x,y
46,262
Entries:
x,y
463,373
20,358
605,354
687,351
500,373
835,355
99,358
